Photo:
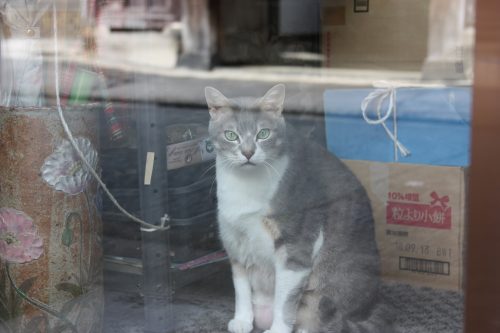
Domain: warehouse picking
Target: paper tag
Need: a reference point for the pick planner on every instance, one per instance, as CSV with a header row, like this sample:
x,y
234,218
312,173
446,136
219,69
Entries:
x,y
148,173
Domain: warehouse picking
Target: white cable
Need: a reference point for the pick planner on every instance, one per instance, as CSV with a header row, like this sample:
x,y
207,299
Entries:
x,y
73,142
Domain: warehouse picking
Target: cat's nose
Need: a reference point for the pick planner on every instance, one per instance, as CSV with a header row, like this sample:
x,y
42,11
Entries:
x,y
248,154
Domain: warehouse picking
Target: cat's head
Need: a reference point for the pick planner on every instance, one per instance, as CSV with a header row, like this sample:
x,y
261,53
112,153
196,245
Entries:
x,y
247,133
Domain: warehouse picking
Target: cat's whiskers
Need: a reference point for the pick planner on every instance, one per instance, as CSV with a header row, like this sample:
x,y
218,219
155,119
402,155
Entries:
x,y
212,185
268,172
231,162
207,170
273,168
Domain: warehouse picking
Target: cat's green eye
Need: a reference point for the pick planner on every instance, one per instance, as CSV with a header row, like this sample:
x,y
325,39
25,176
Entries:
x,y
263,133
231,136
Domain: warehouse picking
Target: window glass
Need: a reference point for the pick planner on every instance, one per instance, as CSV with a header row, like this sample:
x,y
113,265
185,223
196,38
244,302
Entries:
x,y
243,166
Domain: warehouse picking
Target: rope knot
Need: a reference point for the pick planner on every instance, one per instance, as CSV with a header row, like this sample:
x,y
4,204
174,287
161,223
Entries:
x,y
385,91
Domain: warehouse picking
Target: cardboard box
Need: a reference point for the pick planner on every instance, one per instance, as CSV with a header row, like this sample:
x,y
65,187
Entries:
x,y
420,213
451,41
433,123
381,34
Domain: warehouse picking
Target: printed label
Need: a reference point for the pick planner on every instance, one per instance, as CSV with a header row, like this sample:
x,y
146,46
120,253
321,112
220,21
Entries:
x,y
207,150
424,266
183,154
398,233
189,152
436,214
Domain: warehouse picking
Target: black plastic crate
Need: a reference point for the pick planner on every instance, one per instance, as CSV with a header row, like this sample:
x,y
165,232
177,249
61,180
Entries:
x,y
119,168
190,238
190,174
183,202
192,200
193,237
127,198
191,191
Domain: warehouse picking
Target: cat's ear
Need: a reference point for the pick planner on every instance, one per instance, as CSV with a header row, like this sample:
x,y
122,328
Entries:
x,y
215,100
274,99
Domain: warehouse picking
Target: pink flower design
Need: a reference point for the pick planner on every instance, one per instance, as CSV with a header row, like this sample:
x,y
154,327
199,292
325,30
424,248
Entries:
x,y
63,169
19,239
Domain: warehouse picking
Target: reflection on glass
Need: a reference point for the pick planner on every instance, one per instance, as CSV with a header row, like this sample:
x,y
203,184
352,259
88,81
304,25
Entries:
x,y
310,165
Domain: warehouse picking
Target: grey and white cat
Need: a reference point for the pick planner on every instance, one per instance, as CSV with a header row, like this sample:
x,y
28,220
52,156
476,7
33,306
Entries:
x,y
295,222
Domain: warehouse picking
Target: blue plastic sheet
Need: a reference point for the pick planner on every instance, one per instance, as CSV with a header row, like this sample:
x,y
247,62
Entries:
x,y
433,123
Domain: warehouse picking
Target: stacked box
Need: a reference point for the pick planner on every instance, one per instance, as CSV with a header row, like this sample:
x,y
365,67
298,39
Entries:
x,y
420,220
419,202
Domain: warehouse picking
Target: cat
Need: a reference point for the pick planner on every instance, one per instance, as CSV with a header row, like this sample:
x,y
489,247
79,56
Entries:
x,y
295,222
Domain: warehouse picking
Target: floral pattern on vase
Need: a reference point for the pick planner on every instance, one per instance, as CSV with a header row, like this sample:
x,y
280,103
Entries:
x,y
55,213
52,191
19,239
63,169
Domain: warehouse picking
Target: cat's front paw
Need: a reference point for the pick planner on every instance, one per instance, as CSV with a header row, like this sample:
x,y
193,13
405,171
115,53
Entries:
x,y
239,326
279,329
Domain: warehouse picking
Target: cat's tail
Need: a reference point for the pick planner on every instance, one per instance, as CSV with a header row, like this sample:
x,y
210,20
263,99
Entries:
x,y
380,320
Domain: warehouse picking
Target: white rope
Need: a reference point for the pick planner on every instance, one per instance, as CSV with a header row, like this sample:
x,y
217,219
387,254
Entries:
x,y
73,142
378,96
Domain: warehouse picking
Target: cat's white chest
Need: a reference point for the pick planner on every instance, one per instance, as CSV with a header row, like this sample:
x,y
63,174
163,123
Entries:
x,y
243,202
248,242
